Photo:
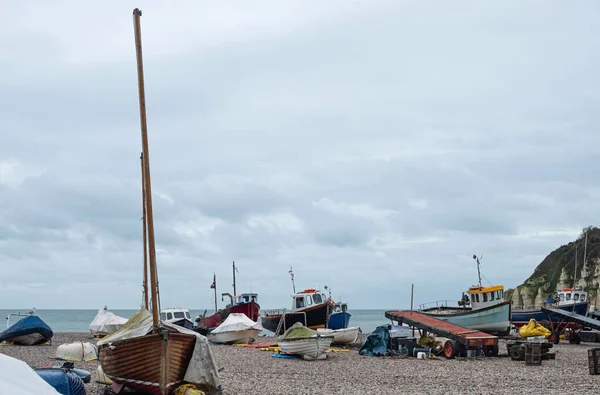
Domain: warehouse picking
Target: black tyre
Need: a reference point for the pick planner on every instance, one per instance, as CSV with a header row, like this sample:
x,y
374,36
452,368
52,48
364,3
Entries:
x,y
450,349
491,351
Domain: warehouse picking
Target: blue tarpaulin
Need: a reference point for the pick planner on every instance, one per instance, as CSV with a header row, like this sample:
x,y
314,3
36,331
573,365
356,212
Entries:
x,y
66,383
29,325
376,343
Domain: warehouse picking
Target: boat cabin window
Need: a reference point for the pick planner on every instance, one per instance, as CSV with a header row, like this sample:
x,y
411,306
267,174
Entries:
x,y
568,297
253,298
344,307
337,308
299,302
582,298
476,298
169,316
498,294
163,316
492,294
561,296
179,314
187,315
484,295
309,300
317,298
576,297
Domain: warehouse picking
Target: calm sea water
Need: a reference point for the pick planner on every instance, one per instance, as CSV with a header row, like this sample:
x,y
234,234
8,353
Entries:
x,y
79,320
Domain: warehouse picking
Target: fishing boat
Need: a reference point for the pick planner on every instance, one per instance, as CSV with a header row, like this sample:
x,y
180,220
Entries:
x,y
481,308
245,303
300,340
177,316
236,329
310,307
344,335
148,355
105,323
340,317
28,331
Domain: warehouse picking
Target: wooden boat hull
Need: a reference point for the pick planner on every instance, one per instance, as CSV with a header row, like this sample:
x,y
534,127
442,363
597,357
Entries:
x,y
494,320
235,337
250,309
144,363
316,317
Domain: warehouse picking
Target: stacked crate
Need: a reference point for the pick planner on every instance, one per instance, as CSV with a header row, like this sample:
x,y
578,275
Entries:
x,y
533,354
594,360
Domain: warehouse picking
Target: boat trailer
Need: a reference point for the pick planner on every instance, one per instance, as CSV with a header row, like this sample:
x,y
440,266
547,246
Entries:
x,y
568,322
460,339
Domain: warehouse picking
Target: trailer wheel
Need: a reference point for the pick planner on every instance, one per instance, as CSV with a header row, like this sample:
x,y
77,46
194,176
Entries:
x,y
450,349
574,338
554,337
517,352
491,351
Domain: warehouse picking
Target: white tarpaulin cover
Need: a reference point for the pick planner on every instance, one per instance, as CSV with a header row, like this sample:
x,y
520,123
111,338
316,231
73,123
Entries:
x,y
106,322
79,351
17,378
202,369
237,322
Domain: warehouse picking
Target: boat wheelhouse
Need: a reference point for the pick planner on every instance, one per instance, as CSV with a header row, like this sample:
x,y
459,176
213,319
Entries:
x,y
177,316
570,296
310,307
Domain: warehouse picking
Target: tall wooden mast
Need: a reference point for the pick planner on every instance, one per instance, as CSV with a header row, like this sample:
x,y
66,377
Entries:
x,y
147,180
145,233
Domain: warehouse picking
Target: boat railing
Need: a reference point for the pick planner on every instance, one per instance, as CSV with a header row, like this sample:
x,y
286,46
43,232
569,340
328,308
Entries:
x,y
18,315
275,311
439,303
282,320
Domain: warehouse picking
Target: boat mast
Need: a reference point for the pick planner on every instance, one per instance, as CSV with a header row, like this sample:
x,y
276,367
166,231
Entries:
x,y
478,271
293,283
584,253
145,234
234,293
575,271
147,182
215,287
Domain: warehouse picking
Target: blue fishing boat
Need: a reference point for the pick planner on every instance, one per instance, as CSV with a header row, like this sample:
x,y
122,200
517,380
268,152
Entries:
x,y
340,318
569,299
28,331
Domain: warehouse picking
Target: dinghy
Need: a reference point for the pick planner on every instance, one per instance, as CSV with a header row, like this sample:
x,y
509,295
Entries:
x,y
236,329
106,323
304,341
78,352
28,331
342,336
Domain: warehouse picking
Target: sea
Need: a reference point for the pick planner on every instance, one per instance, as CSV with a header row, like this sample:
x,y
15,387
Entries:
x,y
79,320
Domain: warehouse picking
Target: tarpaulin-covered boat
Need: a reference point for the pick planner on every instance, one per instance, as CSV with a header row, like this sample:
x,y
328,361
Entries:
x,y
236,329
65,382
28,331
106,323
18,378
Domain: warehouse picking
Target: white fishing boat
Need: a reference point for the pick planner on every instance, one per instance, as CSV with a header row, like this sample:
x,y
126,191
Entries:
x,y
308,343
236,329
342,336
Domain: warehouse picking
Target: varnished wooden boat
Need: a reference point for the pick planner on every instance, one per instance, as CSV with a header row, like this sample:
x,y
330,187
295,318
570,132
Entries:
x,y
145,354
141,362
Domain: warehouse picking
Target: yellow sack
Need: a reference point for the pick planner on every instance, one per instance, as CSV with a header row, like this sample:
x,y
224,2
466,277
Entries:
x,y
533,329
188,389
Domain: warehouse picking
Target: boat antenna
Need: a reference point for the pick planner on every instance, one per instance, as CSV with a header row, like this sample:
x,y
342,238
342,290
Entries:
x,y
478,260
329,290
145,233
293,283
137,13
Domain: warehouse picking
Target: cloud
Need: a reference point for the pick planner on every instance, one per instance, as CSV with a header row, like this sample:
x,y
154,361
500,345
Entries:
x,y
369,145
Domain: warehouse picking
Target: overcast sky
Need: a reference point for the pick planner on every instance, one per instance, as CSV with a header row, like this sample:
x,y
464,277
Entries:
x,y
369,145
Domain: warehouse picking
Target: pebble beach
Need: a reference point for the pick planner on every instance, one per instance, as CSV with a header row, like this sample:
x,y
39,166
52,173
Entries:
x,y
251,371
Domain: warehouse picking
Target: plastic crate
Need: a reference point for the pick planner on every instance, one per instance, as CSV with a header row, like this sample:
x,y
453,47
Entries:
x,y
594,360
533,354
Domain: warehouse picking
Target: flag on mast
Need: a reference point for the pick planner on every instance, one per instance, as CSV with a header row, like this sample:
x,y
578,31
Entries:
x,y
291,273
214,283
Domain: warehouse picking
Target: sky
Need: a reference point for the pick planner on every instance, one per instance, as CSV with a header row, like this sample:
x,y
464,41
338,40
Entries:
x,y
368,145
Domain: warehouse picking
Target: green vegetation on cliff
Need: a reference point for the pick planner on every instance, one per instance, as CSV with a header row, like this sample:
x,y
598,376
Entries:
x,y
547,274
